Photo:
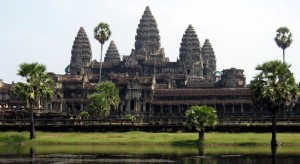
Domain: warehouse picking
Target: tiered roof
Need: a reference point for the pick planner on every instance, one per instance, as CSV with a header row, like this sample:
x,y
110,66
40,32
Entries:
x,y
147,36
208,55
81,52
112,53
190,46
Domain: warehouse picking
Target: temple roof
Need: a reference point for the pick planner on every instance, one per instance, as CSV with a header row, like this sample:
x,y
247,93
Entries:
x,y
197,102
112,53
147,37
190,45
202,92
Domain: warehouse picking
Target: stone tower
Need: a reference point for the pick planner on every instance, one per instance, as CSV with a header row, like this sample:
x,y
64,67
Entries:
x,y
232,78
81,53
112,53
209,61
190,53
147,39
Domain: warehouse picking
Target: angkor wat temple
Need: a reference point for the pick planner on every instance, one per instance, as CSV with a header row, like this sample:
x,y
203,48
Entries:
x,y
150,85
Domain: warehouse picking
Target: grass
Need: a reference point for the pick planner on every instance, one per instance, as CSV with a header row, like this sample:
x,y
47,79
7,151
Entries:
x,y
144,138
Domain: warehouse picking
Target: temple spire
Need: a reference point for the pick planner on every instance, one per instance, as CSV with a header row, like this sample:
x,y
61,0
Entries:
x,y
112,53
190,46
81,53
209,59
147,39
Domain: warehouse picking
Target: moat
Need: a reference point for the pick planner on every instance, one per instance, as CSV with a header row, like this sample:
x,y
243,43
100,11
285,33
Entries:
x,y
145,154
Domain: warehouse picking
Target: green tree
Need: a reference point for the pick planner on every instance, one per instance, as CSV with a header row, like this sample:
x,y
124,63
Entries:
x,y
105,98
102,34
38,84
274,89
200,116
283,39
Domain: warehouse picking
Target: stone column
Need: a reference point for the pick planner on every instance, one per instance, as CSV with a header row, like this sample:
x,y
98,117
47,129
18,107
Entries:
x,y
137,106
144,107
61,107
127,104
51,107
242,108
81,107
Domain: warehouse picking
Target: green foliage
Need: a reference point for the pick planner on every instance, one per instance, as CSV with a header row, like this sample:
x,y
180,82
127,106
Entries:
x,y
38,83
274,87
200,116
283,37
111,92
131,117
102,32
84,115
105,98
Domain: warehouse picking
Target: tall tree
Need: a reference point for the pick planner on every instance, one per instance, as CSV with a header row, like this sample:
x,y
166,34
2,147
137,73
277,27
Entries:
x,y
200,116
102,34
105,98
283,39
38,84
274,89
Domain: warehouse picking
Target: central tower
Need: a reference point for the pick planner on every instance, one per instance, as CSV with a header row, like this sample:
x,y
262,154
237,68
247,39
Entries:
x,y
147,34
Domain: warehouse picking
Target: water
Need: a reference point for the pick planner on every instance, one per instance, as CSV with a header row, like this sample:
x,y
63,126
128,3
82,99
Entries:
x,y
60,154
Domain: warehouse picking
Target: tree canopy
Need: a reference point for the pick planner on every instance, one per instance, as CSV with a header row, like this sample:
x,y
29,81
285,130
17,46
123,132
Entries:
x,y
274,87
105,98
200,116
102,32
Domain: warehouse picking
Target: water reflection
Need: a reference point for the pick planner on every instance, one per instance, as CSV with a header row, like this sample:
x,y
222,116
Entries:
x,y
147,154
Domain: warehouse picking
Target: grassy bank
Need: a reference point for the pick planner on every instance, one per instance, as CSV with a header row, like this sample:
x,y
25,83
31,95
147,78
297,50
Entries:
x,y
129,138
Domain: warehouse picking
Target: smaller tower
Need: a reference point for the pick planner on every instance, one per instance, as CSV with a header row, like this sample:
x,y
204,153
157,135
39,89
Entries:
x,y
112,53
190,53
209,61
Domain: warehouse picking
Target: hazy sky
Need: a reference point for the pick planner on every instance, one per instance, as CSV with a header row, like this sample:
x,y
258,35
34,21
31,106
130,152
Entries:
x,y
241,32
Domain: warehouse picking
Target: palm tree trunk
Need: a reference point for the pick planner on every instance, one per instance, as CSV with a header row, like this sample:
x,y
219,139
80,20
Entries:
x,y
201,135
283,55
100,71
274,141
32,130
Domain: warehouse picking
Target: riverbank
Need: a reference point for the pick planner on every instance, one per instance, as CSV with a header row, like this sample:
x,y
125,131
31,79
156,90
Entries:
x,y
140,138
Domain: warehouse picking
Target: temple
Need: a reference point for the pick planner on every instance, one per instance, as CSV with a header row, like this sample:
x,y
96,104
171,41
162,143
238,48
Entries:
x,y
151,86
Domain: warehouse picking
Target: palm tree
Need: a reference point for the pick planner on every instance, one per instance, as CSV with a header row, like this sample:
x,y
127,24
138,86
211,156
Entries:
x,y
37,85
274,89
283,39
200,116
102,34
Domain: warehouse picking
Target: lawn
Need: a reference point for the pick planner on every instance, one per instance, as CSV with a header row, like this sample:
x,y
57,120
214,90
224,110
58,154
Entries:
x,y
129,138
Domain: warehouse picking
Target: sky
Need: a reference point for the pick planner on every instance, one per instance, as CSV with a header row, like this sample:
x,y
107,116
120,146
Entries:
x,y
241,32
